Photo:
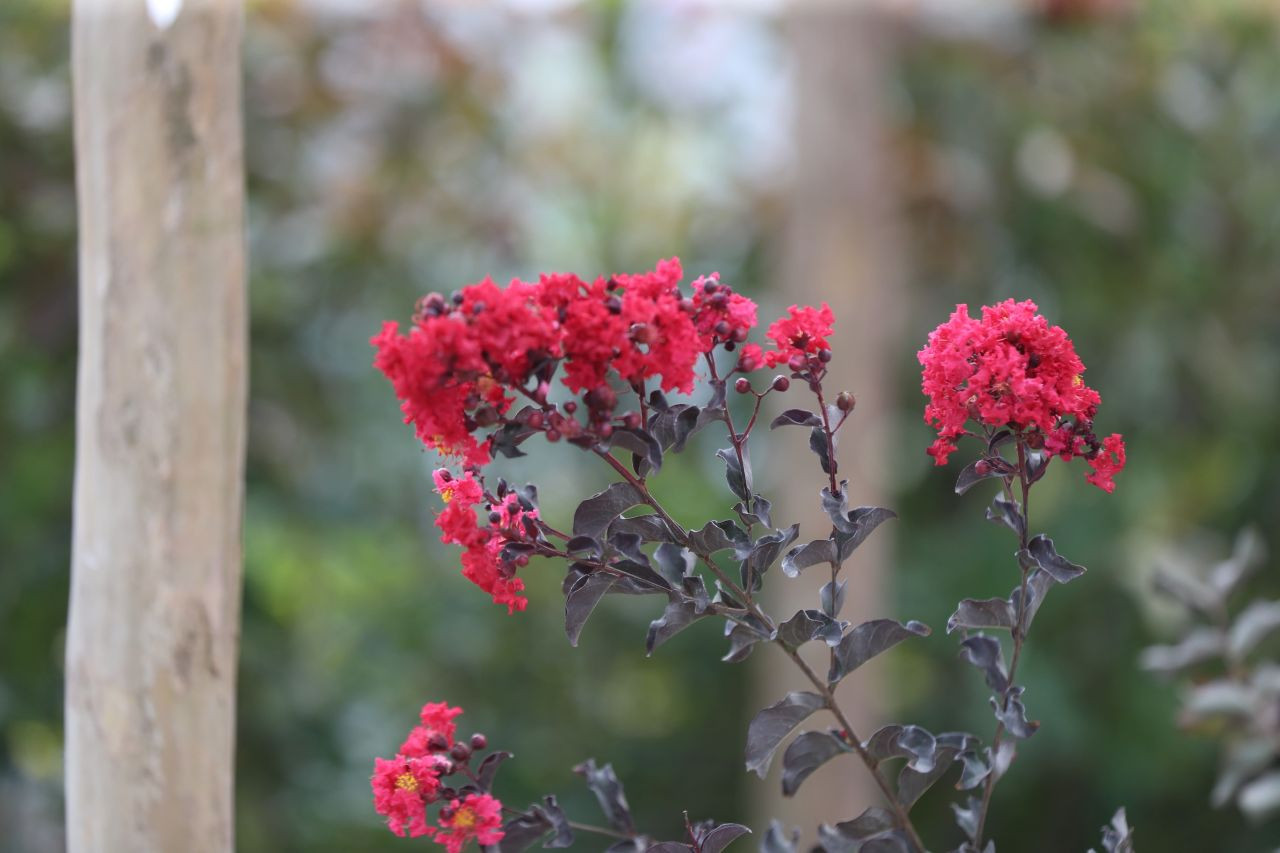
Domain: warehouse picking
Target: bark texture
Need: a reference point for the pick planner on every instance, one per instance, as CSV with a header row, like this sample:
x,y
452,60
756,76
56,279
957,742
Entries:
x,y
156,565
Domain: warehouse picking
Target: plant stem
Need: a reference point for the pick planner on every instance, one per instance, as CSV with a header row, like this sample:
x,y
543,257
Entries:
x,y
599,830
1019,636
873,766
828,696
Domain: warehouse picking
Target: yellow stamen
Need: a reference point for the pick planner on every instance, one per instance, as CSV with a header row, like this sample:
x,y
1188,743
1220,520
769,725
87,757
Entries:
x,y
407,782
464,818
447,494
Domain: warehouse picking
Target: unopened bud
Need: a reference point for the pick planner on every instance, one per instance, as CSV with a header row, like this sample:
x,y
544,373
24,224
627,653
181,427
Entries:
x,y
846,401
743,385
781,383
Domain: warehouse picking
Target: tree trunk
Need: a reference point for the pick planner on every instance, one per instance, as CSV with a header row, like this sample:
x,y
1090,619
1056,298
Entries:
x,y
160,426
842,247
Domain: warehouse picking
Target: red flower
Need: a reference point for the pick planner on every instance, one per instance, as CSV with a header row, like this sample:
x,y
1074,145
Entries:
x,y
437,719
802,333
482,562
450,370
1108,462
402,787
719,314
751,358
633,325
1011,369
479,816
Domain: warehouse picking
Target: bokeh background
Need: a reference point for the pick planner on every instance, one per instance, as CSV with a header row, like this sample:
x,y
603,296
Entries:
x,y
1116,162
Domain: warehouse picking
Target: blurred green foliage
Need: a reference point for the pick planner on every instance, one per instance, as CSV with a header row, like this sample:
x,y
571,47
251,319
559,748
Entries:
x,y
1119,171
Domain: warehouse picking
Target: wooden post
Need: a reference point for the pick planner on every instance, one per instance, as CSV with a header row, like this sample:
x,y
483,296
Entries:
x,y
160,426
842,247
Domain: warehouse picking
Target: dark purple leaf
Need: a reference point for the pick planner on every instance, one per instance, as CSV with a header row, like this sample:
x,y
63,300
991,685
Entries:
x,y
982,613
735,472
604,783
818,444
985,653
868,640
594,515
806,625
680,614
720,837
488,767
796,417
806,754
832,596
861,522
1046,557
650,528
717,536
582,599
741,641
813,553
1010,712
913,783
1008,513
646,452
969,476
774,723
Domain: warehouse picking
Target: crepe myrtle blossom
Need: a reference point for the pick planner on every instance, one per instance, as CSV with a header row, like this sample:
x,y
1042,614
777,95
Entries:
x,y
405,787
477,816
1010,369
468,358
506,521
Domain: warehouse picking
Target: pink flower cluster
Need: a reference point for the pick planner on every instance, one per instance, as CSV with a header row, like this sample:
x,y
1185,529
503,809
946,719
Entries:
x,y
404,786
468,358
1011,369
482,557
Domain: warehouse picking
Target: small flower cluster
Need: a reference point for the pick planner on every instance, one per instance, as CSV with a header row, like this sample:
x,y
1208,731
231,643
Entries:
x,y
1011,370
509,519
800,342
405,786
468,358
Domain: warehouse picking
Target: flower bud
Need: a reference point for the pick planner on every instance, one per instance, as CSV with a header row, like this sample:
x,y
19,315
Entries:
x,y
797,363
722,329
743,385
982,468
437,742
824,355
570,407
479,741
631,420
846,401
553,435
460,752
604,430
781,383
614,304
535,420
